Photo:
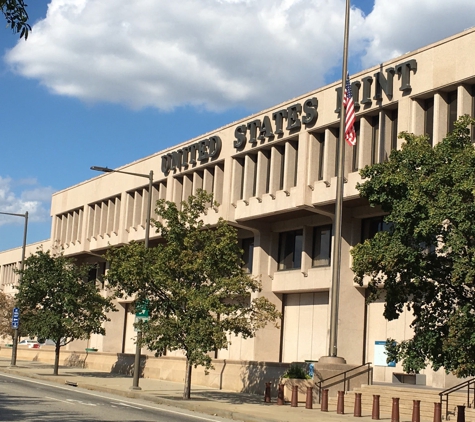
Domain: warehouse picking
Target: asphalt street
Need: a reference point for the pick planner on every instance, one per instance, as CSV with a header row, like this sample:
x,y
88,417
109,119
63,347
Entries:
x,y
24,399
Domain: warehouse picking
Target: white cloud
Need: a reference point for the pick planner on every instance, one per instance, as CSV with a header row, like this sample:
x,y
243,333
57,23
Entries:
x,y
35,199
397,27
209,53
217,53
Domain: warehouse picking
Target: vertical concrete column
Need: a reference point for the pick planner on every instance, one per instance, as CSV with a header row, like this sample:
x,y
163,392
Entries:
x,y
440,117
464,100
417,118
290,165
366,132
197,182
329,156
218,183
187,187
263,161
275,169
236,183
177,187
313,150
250,163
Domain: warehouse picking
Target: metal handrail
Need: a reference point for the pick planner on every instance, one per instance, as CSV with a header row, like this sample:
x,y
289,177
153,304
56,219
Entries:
x,y
345,378
469,384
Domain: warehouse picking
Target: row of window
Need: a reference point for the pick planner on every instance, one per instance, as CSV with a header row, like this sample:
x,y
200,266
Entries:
x,y
291,248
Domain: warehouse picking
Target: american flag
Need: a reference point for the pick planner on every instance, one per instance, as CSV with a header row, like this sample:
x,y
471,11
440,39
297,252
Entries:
x,y
348,103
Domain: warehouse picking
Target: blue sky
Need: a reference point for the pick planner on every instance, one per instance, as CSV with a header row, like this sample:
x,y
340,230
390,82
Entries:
x,y
105,83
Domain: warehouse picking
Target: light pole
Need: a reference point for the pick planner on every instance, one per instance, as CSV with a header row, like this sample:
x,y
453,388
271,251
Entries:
x,y
135,384
22,265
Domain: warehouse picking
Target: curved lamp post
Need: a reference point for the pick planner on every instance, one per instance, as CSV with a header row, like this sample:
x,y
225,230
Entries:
x,y
22,265
135,385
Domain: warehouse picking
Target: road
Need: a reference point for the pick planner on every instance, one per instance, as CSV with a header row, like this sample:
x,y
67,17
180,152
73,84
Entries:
x,y
23,399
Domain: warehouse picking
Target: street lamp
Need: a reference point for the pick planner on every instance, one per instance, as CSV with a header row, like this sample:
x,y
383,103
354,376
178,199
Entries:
x,y
135,384
22,265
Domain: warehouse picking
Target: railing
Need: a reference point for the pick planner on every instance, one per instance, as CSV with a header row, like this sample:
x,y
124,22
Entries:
x,y
346,378
470,384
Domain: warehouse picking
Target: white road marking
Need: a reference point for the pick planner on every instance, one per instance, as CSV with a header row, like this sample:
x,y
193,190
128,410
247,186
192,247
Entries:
x,y
128,405
108,398
81,402
63,401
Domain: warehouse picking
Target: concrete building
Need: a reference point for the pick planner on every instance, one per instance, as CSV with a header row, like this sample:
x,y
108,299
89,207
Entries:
x,y
273,174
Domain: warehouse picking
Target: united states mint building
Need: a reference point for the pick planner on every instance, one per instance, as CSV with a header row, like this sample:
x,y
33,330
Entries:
x,y
274,177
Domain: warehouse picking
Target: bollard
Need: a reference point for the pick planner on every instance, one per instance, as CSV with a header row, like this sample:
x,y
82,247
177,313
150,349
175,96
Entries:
x,y
357,411
324,400
375,412
280,395
295,396
340,406
461,413
416,411
267,393
437,412
395,410
309,401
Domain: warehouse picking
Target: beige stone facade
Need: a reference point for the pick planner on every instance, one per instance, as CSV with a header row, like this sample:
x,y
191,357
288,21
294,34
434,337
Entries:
x,y
273,175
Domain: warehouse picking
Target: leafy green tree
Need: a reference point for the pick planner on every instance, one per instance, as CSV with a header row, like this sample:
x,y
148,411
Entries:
x,y
425,262
16,16
194,284
57,301
6,312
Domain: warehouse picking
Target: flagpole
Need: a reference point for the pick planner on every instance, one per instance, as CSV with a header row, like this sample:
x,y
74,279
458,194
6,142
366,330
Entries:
x,y
336,256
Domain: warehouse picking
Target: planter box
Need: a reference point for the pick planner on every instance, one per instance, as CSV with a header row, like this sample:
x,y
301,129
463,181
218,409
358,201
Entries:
x,y
302,387
90,349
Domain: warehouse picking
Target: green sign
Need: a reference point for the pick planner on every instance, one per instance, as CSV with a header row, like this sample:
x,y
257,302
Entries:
x,y
141,309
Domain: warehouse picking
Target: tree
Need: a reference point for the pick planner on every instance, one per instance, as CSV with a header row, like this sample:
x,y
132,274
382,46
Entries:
x,y
6,312
58,302
193,283
16,16
425,262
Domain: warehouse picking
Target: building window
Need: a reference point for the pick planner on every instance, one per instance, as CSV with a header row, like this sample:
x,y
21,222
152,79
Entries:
x,y
248,254
429,119
451,110
371,226
290,249
321,251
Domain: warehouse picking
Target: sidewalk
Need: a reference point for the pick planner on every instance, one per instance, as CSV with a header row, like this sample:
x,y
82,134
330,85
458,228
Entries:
x,y
227,404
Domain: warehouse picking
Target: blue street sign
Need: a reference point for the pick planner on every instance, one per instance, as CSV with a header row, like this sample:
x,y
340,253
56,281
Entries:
x,y
16,318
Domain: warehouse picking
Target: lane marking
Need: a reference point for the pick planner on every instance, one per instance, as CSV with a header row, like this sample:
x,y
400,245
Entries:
x,y
63,401
81,402
107,398
128,405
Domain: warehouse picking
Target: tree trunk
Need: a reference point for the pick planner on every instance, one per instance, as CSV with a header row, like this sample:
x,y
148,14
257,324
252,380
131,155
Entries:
x,y
187,389
56,357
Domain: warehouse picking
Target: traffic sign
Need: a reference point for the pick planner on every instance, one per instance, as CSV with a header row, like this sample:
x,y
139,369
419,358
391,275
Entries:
x,y
16,318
